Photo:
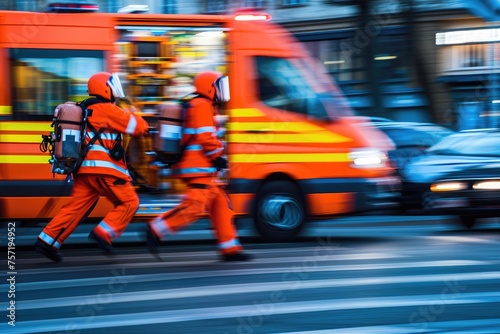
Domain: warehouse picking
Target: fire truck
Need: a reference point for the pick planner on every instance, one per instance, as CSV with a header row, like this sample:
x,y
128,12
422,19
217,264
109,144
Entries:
x,y
294,150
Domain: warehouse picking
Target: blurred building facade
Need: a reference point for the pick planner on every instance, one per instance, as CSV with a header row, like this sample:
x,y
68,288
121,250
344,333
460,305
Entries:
x,y
413,60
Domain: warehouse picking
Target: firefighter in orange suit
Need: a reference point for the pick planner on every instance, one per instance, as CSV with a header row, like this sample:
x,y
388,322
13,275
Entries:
x,y
103,172
202,158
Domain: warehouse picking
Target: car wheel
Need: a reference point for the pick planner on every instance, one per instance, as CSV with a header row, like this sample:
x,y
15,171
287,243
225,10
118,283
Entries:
x,y
280,211
468,221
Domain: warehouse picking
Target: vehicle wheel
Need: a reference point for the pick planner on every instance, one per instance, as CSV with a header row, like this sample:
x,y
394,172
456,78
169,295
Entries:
x,y
468,221
279,212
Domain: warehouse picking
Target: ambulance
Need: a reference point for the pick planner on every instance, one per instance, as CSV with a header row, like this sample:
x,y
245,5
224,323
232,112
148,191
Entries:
x,y
296,153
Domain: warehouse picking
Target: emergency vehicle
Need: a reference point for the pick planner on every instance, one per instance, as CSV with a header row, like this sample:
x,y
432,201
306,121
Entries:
x,y
295,153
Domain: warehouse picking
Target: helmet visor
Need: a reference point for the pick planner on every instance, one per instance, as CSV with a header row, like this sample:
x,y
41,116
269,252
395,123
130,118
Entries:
x,y
222,89
116,86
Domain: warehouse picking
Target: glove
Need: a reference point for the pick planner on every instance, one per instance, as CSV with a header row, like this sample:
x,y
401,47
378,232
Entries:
x,y
220,163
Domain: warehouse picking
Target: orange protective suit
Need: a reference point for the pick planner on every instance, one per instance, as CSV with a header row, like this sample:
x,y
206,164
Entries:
x,y
204,193
100,175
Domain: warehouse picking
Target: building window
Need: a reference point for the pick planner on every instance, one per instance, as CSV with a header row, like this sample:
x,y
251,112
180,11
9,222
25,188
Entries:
x,y
338,59
169,7
293,2
29,6
254,3
114,5
217,6
473,55
391,58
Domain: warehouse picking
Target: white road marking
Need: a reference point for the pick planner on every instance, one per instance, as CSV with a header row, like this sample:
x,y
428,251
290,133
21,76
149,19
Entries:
x,y
486,326
174,316
71,283
195,264
290,281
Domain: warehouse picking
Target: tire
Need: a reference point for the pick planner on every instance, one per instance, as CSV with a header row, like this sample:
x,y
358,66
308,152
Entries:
x,y
468,221
279,212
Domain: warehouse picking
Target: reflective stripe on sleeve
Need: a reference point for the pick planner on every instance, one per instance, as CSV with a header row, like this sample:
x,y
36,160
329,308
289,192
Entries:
x,y
203,129
49,240
196,170
104,135
214,151
99,148
229,244
132,124
108,229
194,148
104,164
161,227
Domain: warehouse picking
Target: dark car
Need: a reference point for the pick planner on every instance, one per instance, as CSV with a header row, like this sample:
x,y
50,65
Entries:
x,y
411,139
471,193
455,156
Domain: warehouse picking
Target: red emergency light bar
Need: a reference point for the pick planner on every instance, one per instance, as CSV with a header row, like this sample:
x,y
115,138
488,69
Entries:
x,y
58,7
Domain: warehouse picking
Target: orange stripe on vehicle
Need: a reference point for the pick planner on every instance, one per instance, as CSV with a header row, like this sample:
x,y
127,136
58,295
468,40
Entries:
x,y
241,203
45,207
330,203
21,149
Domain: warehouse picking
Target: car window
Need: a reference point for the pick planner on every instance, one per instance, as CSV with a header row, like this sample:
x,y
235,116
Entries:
x,y
437,132
470,144
282,86
406,137
42,79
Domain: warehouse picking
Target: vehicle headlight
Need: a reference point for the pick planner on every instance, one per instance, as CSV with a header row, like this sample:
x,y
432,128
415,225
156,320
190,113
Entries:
x,y
448,186
487,185
368,158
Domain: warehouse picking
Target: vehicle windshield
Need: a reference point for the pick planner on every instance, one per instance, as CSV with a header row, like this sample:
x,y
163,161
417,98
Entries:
x,y
288,85
469,144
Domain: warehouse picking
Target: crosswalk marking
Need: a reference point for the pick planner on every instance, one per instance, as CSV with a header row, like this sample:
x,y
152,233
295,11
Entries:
x,y
196,263
156,317
80,282
290,283
486,326
338,290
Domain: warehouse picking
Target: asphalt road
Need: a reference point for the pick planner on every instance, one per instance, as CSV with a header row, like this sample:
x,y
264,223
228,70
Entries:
x,y
443,281
369,225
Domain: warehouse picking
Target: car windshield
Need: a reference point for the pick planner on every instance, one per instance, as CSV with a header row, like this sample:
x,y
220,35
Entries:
x,y
412,135
287,84
470,144
406,137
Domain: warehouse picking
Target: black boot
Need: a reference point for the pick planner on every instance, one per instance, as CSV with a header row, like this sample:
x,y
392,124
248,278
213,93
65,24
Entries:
x,y
48,251
238,256
153,242
106,248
